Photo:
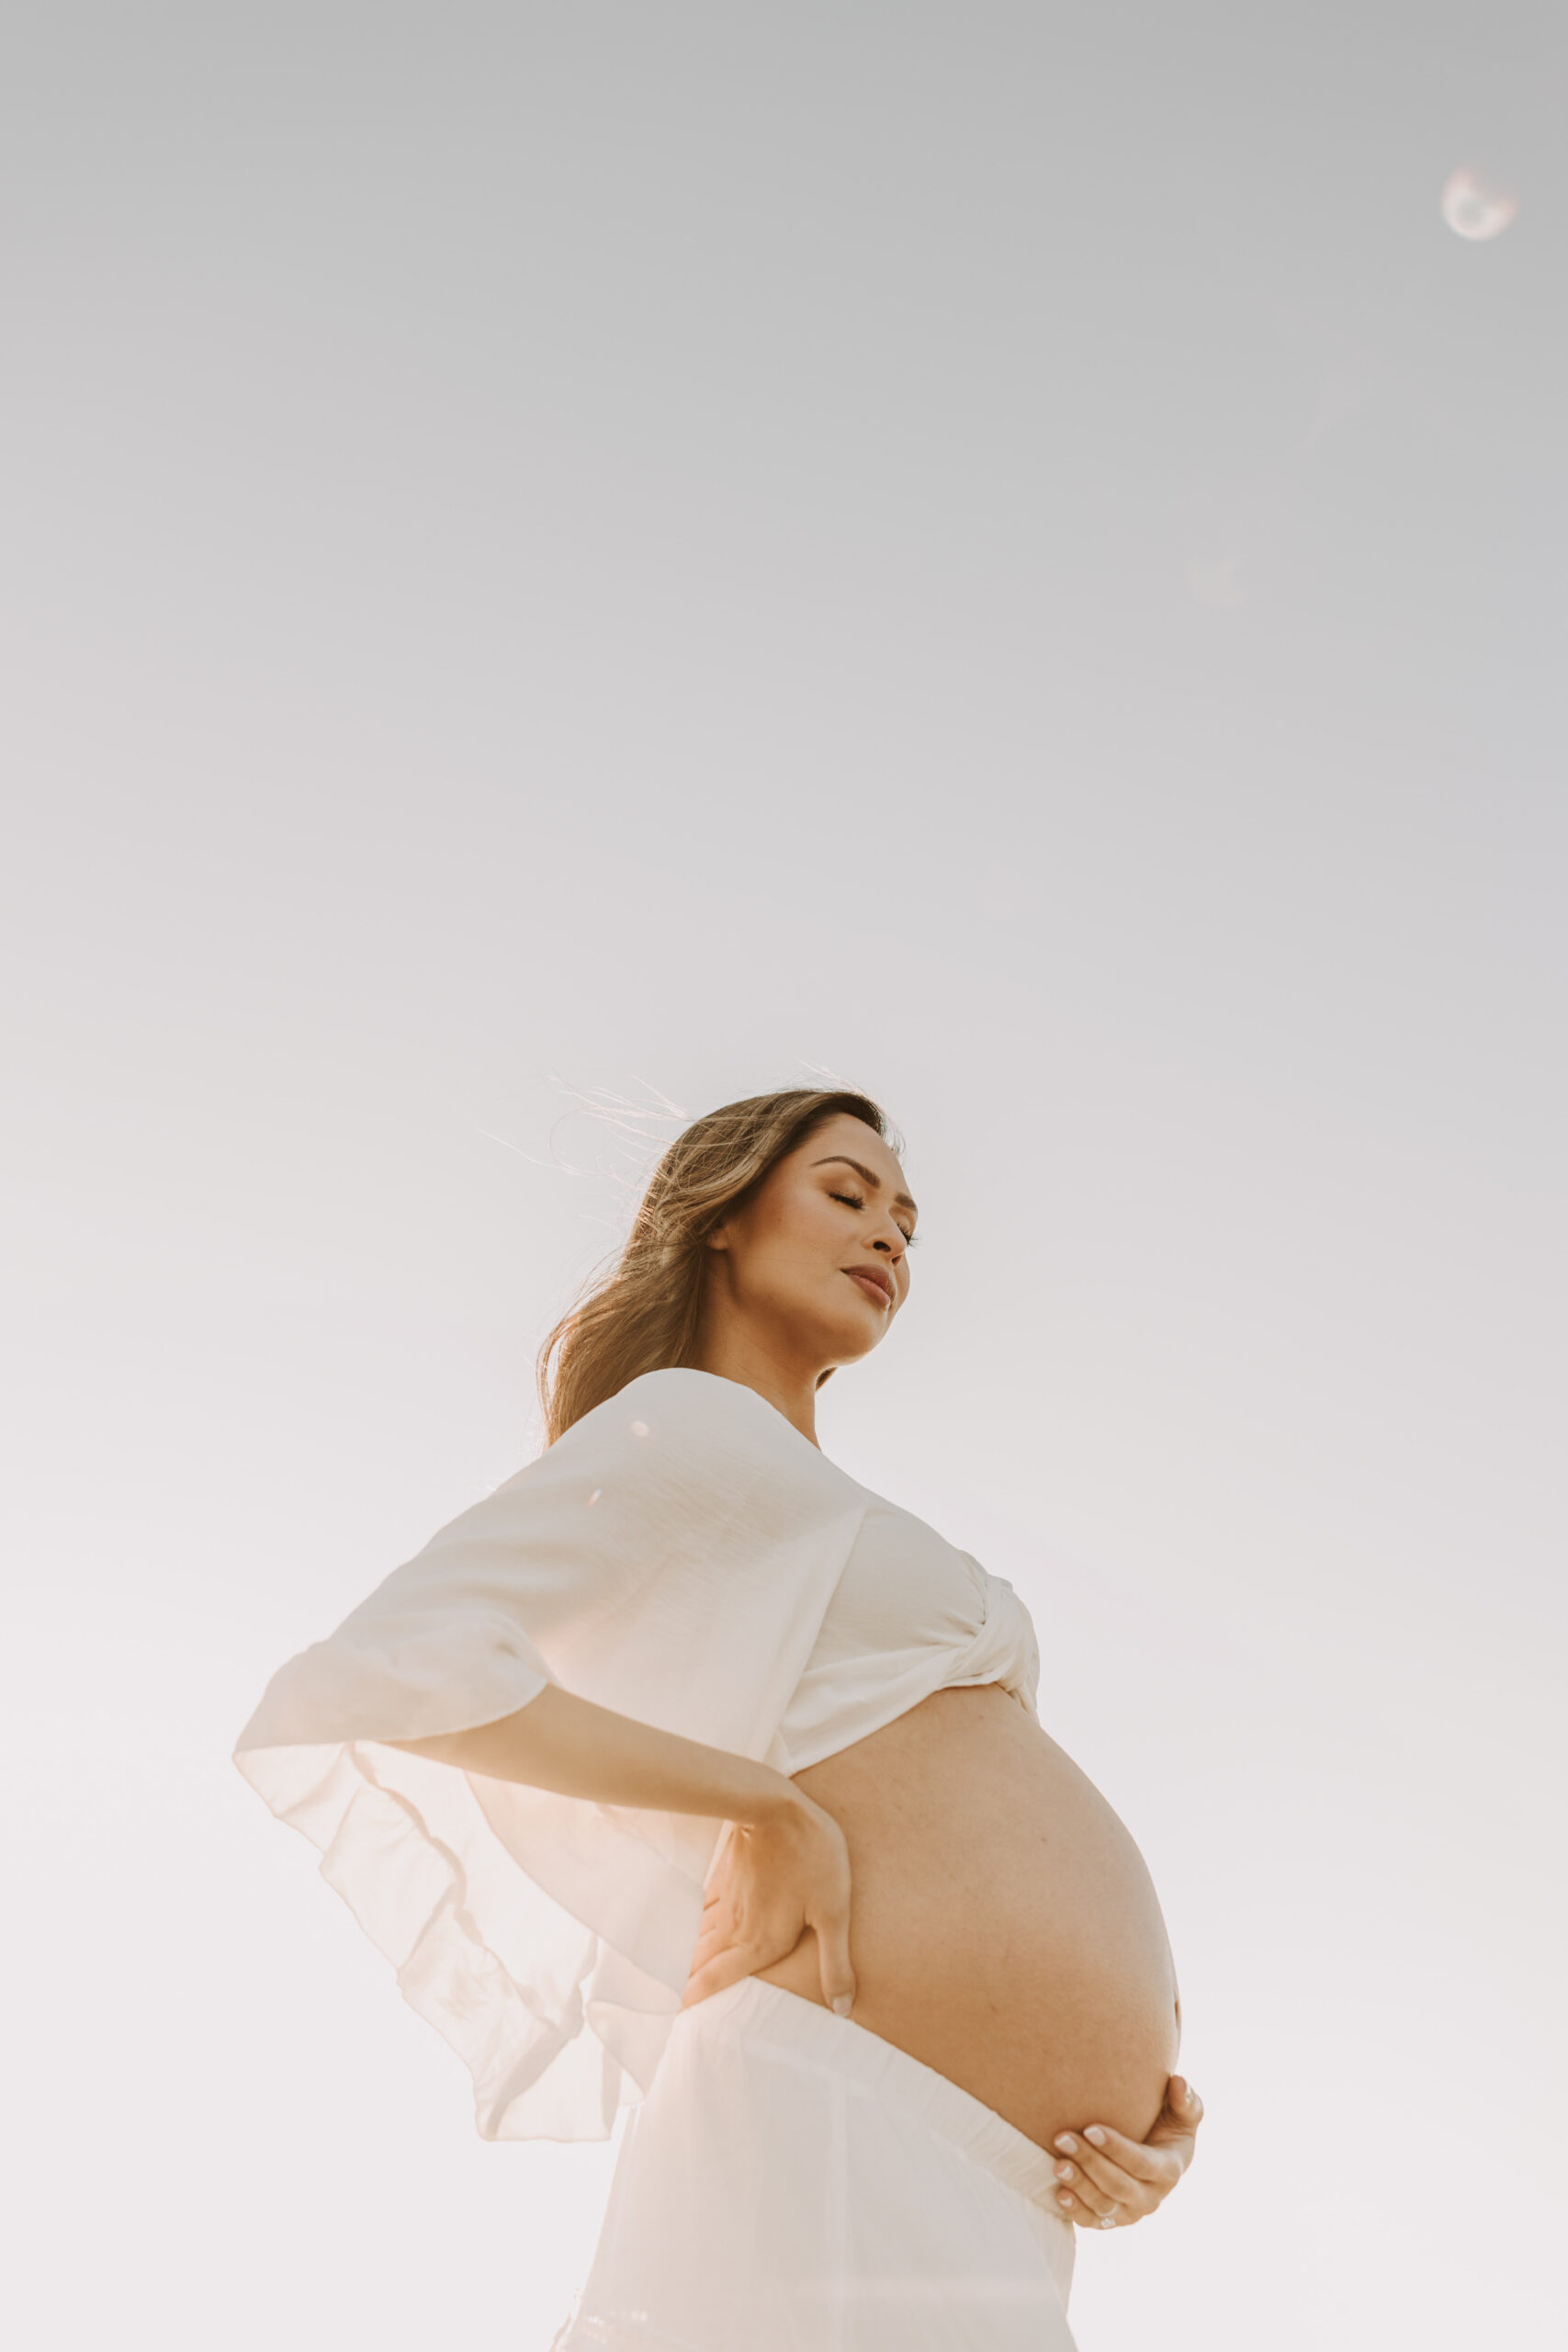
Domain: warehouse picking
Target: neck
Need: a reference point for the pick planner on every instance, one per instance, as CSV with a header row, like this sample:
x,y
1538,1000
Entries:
x,y
737,1352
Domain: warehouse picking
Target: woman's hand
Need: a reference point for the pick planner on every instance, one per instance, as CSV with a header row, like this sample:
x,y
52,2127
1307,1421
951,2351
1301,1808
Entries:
x,y
1109,2181
785,1872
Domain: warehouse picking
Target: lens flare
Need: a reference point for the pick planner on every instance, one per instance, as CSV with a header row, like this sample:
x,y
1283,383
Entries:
x,y
1474,208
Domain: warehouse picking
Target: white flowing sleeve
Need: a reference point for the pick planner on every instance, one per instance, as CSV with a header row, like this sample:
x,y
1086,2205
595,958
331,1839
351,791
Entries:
x,y
671,1556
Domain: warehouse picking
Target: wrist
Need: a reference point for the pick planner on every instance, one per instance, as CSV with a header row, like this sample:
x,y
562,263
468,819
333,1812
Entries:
x,y
765,1798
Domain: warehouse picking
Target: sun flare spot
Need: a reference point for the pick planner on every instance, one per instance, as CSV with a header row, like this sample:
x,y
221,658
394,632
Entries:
x,y
1474,208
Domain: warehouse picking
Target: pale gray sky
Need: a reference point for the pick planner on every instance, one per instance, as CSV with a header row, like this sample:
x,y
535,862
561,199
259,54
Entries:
x,y
1009,554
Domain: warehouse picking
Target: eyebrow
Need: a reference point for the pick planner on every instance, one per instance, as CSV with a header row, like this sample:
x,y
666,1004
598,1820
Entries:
x,y
900,1200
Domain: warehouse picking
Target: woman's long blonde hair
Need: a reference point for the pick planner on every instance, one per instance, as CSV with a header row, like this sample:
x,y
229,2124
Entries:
x,y
642,1314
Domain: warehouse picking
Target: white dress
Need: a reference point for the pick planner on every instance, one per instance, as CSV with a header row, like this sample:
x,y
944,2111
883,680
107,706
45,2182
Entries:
x,y
685,1555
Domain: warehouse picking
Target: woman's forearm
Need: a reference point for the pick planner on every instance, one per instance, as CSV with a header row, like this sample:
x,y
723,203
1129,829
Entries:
x,y
579,1750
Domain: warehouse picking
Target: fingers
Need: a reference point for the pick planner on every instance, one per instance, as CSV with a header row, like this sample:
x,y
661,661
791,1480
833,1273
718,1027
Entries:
x,y
1081,2199
1177,2129
1104,2186
716,1935
1132,2159
726,1967
1106,2177
1184,2102
833,1959
1083,2219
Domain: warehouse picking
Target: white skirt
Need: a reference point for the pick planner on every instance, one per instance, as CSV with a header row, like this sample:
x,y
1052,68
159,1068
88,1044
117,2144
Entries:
x,y
793,2183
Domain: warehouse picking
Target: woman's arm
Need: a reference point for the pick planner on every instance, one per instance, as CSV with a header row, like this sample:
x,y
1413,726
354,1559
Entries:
x,y
790,1867
569,1745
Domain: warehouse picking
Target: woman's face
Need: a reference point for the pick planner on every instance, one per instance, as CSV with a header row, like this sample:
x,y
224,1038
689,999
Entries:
x,y
816,1260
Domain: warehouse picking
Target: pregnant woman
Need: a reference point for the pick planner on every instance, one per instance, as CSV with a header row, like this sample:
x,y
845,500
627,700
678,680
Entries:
x,y
685,1773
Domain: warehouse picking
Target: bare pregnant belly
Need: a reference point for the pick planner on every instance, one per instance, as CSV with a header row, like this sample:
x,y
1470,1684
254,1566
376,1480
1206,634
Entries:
x,y
1003,1926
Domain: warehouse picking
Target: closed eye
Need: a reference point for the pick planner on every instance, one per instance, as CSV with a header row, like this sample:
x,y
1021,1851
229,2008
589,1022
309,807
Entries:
x,y
856,1201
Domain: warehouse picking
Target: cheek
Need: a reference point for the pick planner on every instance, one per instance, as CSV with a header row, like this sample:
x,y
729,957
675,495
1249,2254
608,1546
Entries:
x,y
792,1250
811,1234
788,1261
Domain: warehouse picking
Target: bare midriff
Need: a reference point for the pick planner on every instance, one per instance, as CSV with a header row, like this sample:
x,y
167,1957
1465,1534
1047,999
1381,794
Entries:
x,y
1004,1928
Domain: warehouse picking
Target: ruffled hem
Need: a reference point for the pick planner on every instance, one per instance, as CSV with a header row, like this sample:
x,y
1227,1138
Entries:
x,y
671,1558
501,1968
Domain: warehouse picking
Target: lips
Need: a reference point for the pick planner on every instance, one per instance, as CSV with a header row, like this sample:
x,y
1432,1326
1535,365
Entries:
x,y
875,1285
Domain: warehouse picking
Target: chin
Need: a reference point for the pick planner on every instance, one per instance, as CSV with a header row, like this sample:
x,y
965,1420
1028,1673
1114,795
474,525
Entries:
x,y
847,1343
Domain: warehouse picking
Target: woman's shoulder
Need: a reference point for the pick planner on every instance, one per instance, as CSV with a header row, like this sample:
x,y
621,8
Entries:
x,y
680,1425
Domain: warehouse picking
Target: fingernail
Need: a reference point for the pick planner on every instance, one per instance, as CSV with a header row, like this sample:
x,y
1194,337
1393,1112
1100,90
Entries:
x,y
1066,2139
1063,2172
1095,2135
1063,2198
1193,2097
843,2005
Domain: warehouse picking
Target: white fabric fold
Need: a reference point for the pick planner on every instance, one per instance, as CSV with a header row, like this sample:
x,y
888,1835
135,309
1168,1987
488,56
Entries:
x,y
671,1556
